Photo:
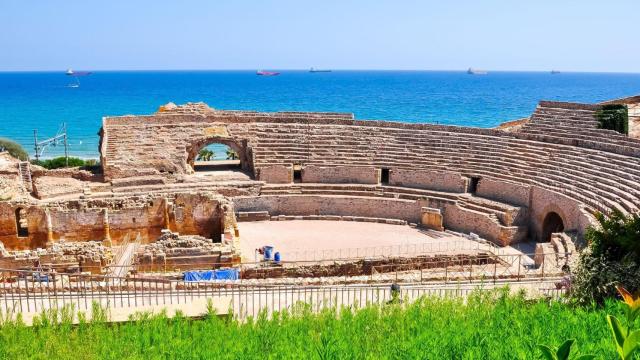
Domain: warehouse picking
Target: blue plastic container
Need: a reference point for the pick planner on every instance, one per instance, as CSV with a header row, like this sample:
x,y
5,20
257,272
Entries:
x,y
268,250
276,256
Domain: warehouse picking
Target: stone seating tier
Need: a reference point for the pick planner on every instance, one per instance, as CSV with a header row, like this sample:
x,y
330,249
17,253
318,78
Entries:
x,y
560,149
543,164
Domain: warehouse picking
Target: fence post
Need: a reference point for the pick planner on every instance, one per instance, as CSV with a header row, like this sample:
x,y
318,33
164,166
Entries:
x,y
26,286
519,260
495,271
446,271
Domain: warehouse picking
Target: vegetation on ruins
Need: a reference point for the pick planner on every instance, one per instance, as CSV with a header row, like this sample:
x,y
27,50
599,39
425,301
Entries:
x,y
14,149
489,325
205,155
611,258
60,162
614,117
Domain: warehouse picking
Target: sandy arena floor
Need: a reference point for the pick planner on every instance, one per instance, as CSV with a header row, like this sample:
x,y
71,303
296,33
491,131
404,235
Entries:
x,y
299,240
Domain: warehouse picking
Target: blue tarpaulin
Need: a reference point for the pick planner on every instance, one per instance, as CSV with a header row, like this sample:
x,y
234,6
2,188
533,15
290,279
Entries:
x,y
210,275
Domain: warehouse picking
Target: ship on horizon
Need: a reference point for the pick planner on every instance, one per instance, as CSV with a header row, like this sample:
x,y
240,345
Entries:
x,y
314,70
555,72
70,72
473,71
267,73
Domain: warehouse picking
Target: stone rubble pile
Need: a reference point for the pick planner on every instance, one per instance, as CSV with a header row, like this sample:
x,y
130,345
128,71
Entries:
x,y
93,250
173,250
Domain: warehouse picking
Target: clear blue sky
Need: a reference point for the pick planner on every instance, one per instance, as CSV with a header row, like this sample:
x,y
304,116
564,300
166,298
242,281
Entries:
x,y
586,35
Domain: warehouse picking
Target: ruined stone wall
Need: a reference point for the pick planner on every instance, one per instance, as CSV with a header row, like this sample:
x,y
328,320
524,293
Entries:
x,y
408,210
468,221
432,180
507,192
83,221
275,174
340,174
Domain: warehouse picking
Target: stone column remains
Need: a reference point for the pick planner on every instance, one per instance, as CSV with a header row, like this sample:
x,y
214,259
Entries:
x,y
49,228
105,222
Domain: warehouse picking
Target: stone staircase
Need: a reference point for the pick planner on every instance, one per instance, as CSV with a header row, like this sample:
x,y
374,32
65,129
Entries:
x,y
25,174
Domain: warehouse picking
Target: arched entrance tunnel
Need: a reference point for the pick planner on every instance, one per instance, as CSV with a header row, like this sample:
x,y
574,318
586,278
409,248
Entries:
x,y
552,224
218,154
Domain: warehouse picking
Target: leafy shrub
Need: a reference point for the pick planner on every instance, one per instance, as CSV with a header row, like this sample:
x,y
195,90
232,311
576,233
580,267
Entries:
x,y
595,277
614,117
612,258
616,235
16,150
59,162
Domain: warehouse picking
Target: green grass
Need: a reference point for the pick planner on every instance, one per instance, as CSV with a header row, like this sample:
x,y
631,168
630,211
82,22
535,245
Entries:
x,y
486,327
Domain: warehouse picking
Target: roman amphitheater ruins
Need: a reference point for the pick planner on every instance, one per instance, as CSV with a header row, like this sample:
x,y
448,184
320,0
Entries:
x,y
321,183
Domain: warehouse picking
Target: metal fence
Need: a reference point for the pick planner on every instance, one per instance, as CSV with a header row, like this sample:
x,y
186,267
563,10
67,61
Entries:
x,y
34,291
244,301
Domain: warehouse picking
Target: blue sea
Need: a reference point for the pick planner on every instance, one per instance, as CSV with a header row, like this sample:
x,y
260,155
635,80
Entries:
x,y
43,100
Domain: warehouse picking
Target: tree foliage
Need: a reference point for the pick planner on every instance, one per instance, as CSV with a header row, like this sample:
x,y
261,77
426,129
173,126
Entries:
x,y
59,162
614,117
14,149
205,155
231,155
616,236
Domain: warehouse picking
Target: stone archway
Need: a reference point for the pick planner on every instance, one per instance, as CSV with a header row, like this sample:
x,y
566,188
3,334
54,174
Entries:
x,y
240,148
552,223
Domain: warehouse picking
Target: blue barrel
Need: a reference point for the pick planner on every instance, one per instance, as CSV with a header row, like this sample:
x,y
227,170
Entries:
x,y
268,250
276,256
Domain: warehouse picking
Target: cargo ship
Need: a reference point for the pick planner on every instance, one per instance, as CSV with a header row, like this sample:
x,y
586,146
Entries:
x,y
314,70
473,71
267,73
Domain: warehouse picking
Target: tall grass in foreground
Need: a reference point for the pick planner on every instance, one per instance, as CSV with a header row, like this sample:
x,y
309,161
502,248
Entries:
x,y
489,325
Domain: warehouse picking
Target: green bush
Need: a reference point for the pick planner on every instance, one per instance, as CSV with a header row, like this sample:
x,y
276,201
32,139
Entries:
x,y
614,117
612,258
616,235
16,150
596,277
59,162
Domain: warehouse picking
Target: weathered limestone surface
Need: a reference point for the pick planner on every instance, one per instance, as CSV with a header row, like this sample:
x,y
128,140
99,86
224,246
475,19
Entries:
x,y
83,220
508,192
433,180
340,174
50,186
408,210
10,183
276,174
